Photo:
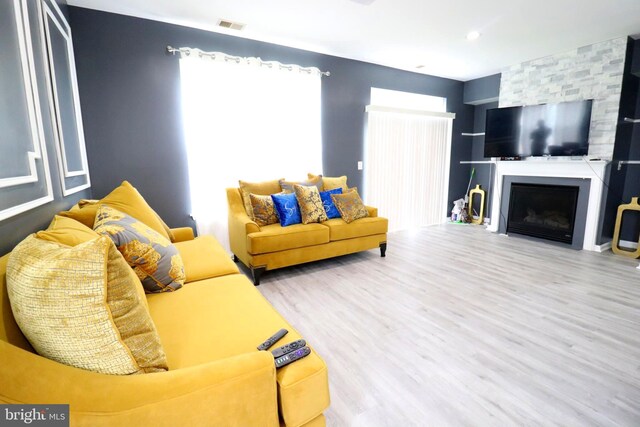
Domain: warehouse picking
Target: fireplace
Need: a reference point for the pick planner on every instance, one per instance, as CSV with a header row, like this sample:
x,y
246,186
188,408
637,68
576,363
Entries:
x,y
543,211
585,174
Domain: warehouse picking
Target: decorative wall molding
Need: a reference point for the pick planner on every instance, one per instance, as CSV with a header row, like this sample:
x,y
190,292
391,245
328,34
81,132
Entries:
x,y
53,20
32,99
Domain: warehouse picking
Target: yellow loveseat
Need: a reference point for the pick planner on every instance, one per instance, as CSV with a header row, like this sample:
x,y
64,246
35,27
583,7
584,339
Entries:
x,y
263,248
209,330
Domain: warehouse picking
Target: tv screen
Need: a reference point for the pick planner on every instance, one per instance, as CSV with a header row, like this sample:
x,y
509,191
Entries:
x,y
538,130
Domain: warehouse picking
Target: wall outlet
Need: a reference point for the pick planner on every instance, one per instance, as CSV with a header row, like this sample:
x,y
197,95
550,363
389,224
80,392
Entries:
x,y
360,165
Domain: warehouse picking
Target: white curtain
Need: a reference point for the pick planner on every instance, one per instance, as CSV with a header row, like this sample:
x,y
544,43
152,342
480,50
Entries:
x,y
407,168
247,121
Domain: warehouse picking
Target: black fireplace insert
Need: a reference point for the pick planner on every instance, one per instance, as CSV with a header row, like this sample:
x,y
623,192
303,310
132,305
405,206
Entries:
x,y
543,211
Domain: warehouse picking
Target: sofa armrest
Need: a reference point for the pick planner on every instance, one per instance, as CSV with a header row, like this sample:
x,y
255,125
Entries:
x,y
372,211
240,225
239,390
182,234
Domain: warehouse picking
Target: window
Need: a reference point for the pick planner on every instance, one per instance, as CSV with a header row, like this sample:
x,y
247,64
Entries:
x,y
407,155
244,120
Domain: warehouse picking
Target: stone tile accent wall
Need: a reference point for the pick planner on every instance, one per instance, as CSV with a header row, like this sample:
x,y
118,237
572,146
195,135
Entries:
x,y
590,72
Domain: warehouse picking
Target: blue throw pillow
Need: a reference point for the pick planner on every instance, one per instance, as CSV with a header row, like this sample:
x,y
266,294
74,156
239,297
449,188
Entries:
x,y
327,202
288,209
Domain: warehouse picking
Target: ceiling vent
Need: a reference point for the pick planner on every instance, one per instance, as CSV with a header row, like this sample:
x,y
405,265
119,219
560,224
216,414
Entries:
x,y
224,23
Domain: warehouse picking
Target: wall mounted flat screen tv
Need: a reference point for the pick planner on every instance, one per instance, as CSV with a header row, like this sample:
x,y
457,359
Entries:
x,y
538,130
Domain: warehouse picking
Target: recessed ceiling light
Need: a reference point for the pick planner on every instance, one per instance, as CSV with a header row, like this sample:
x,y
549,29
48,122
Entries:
x,y
473,35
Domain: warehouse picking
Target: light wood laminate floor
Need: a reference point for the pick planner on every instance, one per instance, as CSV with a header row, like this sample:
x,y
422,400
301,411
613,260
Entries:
x,y
458,326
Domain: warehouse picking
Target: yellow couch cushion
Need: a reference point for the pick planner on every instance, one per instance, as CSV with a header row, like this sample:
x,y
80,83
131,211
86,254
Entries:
x,y
329,183
126,199
273,238
287,186
340,230
82,306
227,316
204,258
261,188
67,231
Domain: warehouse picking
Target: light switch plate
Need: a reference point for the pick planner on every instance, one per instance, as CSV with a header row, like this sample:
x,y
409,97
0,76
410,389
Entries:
x,y
360,165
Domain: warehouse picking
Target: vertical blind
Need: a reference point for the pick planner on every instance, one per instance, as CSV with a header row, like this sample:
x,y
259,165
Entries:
x,y
407,167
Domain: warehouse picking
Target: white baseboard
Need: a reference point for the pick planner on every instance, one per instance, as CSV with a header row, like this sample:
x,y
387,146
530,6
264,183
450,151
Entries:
x,y
603,247
628,245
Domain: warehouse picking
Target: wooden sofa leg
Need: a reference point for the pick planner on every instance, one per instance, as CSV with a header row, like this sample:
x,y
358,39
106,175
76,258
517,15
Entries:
x,y
383,249
256,272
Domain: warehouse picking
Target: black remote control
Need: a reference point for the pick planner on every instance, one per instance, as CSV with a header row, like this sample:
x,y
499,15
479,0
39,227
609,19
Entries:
x,y
288,348
272,339
292,357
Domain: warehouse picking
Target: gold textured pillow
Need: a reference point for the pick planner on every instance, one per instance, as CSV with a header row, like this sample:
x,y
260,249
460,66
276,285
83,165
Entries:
x,y
67,231
153,257
330,183
259,188
350,206
287,186
126,199
311,207
264,211
81,306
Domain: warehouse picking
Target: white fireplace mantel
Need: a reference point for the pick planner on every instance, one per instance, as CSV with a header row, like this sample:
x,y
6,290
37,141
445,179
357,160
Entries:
x,y
556,168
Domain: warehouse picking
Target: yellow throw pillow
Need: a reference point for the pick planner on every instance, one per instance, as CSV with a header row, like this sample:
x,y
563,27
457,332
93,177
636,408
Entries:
x,y
350,206
259,188
153,257
79,305
287,186
67,231
329,183
311,207
264,211
126,199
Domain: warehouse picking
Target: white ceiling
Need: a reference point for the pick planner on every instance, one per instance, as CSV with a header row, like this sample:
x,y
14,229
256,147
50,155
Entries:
x,y
406,33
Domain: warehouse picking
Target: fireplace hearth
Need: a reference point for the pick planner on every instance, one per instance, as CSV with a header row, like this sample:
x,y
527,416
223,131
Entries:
x,y
543,211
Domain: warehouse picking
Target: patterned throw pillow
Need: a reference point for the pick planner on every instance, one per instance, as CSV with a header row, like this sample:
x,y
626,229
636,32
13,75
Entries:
x,y
83,306
264,211
350,206
154,258
311,208
287,186
262,188
329,206
288,209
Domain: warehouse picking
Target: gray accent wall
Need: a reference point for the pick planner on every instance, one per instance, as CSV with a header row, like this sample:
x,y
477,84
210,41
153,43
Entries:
x,y
16,228
483,90
130,97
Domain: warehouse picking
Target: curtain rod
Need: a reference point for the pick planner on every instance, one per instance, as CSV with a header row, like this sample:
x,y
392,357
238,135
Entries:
x,y
188,51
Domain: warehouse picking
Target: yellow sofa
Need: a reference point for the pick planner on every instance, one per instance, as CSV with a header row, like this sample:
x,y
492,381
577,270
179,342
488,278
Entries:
x,y
273,246
209,330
